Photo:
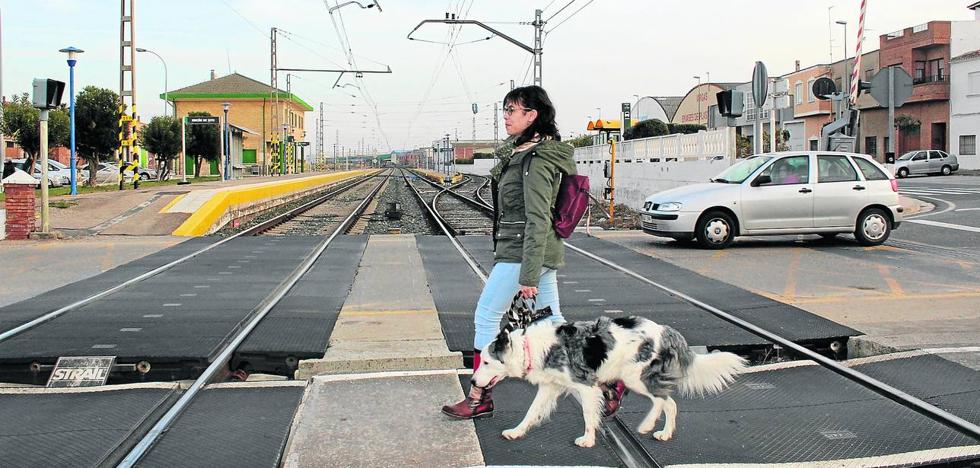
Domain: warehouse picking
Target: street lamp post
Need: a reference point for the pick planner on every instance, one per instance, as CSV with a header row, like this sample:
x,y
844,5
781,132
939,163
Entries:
x,y
166,102
226,135
72,60
846,81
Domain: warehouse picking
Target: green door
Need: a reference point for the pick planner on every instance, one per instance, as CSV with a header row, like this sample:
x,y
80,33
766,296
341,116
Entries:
x,y
248,156
214,167
189,164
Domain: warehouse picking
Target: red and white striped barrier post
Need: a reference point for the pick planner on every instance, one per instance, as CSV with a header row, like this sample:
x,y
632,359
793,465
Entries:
x,y
856,71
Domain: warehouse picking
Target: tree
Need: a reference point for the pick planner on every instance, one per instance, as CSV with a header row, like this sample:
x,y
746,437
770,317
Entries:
x,y
162,137
202,142
685,128
21,121
584,140
96,127
646,129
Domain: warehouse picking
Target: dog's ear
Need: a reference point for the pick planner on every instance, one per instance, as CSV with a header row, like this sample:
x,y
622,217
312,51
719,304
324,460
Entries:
x,y
500,344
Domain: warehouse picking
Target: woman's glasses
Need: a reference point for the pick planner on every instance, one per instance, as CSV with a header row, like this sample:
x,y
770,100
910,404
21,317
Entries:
x,y
510,109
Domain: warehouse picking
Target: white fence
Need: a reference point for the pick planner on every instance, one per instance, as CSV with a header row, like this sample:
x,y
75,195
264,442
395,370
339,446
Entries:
x,y
649,165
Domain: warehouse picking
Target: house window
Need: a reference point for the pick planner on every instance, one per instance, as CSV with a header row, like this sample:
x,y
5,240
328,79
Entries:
x,y
809,90
871,145
937,70
799,93
968,145
813,145
920,71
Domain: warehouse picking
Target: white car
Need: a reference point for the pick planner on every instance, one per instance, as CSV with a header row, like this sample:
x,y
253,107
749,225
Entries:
x,y
804,192
58,175
926,162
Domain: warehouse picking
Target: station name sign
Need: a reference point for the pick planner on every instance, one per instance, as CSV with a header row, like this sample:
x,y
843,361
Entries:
x,y
201,120
81,371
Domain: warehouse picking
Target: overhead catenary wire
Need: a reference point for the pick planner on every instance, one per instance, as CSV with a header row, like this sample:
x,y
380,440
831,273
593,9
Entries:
x,y
568,17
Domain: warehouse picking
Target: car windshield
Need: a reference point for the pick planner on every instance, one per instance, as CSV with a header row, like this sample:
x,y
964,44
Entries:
x,y
738,172
907,156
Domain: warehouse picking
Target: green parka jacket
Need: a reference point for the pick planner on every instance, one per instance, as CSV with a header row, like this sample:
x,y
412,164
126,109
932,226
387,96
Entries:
x,y
524,206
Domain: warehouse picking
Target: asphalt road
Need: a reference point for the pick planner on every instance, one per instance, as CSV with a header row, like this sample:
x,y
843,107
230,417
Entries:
x,y
953,224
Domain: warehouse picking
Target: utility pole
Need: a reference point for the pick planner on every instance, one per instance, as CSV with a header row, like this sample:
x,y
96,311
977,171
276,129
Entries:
x,y
3,145
274,81
496,138
319,137
127,46
538,33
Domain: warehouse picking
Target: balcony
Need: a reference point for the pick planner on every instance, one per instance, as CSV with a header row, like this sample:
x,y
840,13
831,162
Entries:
x,y
930,79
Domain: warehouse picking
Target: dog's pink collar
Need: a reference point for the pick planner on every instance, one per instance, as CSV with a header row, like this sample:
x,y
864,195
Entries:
x,y
527,356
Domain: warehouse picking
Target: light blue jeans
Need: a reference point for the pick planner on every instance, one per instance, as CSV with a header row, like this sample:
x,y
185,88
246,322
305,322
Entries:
x,y
498,293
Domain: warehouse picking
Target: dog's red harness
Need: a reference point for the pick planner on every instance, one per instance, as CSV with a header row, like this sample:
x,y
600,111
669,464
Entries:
x,y
527,356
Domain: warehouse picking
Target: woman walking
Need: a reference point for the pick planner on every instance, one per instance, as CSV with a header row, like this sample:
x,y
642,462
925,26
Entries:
x,y
527,251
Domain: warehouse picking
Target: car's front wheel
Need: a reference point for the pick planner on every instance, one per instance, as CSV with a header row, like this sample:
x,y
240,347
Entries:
x,y
903,173
873,227
715,230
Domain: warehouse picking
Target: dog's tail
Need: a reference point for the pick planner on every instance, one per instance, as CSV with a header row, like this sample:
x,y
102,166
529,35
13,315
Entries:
x,y
702,374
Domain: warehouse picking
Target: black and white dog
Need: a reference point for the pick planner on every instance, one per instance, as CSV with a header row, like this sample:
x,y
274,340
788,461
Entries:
x,y
652,360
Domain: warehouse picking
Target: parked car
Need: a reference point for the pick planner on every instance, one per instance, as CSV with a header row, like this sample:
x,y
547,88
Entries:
x,y
803,192
62,169
107,173
926,162
56,176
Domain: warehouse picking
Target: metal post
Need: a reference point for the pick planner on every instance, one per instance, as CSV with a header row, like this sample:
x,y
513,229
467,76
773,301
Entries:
x,y
772,119
71,106
226,135
45,219
891,111
538,33
612,182
183,151
221,143
496,137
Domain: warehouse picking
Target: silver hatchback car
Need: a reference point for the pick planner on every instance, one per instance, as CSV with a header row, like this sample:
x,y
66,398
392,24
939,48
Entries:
x,y
805,192
926,162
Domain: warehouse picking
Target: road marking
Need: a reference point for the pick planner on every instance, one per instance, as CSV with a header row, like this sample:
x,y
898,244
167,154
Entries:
x,y
202,286
153,316
597,300
103,346
945,225
224,272
130,329
583,290
172,304
896,289
613,311
569,282
232,267
968,209
189,295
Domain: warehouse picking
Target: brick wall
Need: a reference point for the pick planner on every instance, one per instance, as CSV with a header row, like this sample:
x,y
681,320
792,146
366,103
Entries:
x,y
21,214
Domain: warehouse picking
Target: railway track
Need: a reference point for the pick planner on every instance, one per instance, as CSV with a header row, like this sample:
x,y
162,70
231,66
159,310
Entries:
x,y
623,440
460,214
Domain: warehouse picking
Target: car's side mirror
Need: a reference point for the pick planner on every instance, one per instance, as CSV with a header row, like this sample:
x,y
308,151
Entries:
x,y
762,180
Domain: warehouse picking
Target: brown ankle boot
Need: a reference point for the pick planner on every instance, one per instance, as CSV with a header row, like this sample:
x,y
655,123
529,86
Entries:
x,y
478,404
613,397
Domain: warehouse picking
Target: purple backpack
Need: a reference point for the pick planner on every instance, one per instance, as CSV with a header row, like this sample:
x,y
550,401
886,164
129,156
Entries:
x,y
571,204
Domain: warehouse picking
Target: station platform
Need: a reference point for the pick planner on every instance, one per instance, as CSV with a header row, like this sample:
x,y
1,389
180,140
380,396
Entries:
x,y
190,210
386,321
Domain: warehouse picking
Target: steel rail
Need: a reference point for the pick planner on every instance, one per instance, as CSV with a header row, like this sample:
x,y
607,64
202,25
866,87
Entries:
x,y
622,442
944,417
163,424
77,304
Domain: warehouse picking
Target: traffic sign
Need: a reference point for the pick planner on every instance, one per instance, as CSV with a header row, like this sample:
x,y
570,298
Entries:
x,y
760,84
302,143
198,120
823,88
903,86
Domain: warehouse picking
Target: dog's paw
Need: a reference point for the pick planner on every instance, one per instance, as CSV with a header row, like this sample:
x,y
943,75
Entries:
x,y
513,434
644,430
585,441
663,436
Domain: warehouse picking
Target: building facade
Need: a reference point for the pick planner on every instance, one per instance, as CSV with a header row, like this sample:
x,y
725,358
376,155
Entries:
x,y
252,104
964,90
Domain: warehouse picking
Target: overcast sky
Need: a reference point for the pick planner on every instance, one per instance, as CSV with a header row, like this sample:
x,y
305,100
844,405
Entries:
x,y
602,56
